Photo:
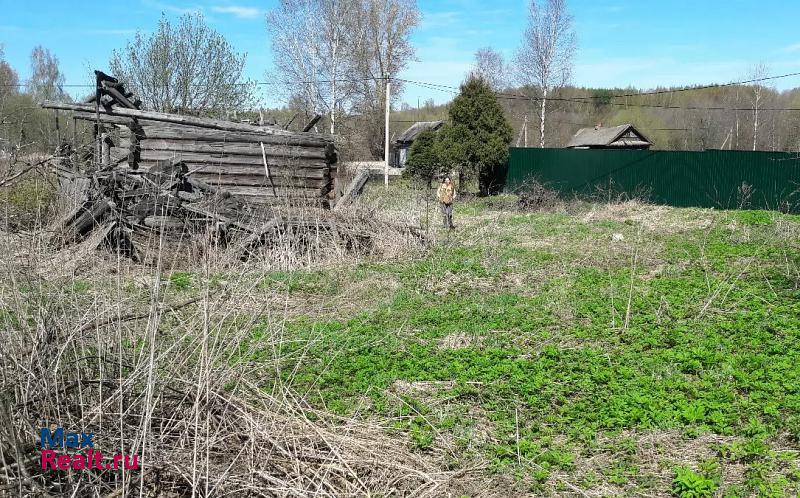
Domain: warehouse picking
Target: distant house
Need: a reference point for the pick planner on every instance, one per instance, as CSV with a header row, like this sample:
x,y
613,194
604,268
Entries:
x,y
619,137
404,141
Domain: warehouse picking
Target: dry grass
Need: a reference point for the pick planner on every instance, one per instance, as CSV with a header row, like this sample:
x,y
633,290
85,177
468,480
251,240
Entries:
x,y
97,344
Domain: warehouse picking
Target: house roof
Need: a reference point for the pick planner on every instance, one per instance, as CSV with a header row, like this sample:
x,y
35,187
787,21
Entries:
x,y
410,134
618,136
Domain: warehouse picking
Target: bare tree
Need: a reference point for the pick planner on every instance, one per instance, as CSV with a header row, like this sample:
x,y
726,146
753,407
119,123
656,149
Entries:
x,y
312,45
490,66
544,60
384,30
757,72
188,68
47,81
8,77
338,54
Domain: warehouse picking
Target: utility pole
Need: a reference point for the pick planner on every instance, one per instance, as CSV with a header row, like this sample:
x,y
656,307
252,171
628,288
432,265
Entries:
x,y
386,144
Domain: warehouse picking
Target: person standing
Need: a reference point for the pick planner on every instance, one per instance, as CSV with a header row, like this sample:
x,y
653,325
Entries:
x,y
446,194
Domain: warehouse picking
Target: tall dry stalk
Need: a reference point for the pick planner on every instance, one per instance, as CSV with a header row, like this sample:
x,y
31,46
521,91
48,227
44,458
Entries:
x,y
177,376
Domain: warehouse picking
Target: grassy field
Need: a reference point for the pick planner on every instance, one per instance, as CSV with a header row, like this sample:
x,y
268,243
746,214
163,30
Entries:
x,y
606,350
594,350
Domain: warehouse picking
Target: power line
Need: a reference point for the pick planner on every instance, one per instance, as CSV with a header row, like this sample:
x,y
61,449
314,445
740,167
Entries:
x,y
584,100
699,87
517,96
244,83
665,91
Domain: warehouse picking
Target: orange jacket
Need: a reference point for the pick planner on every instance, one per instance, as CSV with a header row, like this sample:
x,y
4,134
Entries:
x,y
446,193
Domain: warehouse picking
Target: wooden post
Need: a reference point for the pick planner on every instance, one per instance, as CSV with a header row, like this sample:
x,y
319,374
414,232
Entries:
x,y
58,131
106,150
386,144
97,95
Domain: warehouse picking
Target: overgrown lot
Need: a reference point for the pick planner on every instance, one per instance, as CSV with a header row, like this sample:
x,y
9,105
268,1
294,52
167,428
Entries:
x,y
605,350
592,350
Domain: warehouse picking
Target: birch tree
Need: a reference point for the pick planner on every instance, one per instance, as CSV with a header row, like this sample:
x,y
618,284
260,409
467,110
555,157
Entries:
x,y
544,60
337,55
490,66
383,51
758,72
8,77
47,80
313,44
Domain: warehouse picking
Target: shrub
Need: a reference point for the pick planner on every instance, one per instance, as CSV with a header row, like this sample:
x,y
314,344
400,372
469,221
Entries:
x,y
689,484
536,196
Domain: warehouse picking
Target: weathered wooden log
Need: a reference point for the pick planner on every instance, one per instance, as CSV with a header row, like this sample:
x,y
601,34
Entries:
x,y
251,193
238,148
164,222
251,169
261,180
163,131
199,158
312,123
353,189
214,124
119,97
89,216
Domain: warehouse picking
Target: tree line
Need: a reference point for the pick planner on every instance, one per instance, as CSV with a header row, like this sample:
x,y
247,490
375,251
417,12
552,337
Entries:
x,y
24,126
335,57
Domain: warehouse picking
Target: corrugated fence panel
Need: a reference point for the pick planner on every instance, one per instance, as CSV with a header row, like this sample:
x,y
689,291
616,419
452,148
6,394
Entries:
x,y
685,179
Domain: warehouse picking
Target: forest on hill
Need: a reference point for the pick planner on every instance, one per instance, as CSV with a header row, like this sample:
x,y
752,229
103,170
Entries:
x,y
672,118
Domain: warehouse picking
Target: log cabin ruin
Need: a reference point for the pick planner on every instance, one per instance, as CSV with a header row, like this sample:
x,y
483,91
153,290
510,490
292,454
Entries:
x,y
151,172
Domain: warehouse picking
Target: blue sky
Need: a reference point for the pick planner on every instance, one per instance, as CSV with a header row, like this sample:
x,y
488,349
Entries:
x,y
621,43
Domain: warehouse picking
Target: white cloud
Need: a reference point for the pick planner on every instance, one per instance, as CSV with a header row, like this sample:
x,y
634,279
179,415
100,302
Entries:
x,y
792,48
238,10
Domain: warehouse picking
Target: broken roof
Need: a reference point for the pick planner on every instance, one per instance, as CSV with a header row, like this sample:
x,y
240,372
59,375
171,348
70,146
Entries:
x,y
413,132
621,136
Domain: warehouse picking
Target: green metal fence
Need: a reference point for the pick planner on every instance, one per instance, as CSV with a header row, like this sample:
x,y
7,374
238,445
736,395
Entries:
x,y
714,178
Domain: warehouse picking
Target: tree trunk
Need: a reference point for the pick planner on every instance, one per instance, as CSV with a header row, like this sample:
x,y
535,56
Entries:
x,y
755,126
543,115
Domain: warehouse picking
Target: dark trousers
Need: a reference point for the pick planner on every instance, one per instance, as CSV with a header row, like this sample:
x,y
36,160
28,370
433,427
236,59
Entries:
x,y
447,215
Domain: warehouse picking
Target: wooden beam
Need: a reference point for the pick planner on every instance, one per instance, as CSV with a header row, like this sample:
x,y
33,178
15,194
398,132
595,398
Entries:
x,y
235,148
260,181
214,124
191,157
163,131
312,123
353,189
228,170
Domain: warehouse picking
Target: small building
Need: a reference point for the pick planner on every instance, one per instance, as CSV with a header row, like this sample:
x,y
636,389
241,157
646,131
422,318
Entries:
x,y
404,141
618,137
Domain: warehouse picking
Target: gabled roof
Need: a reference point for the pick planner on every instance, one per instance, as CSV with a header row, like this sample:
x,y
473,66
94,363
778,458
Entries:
x,y
410,134
619,136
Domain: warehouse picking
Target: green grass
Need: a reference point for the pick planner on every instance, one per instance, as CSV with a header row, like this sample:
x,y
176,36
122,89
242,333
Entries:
x,y
569,339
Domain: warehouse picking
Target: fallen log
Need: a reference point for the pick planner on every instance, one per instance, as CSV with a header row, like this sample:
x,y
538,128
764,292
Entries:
x,y
86,218
353,189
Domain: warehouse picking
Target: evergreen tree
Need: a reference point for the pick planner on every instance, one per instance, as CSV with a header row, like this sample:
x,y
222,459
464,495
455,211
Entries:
x,y
475,144
424,161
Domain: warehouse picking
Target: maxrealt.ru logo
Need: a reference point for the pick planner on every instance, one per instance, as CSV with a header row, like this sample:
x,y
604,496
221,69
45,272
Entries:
x,y
67,458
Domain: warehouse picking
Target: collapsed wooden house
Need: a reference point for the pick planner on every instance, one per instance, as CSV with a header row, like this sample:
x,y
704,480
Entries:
x,y
256,163
166,174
